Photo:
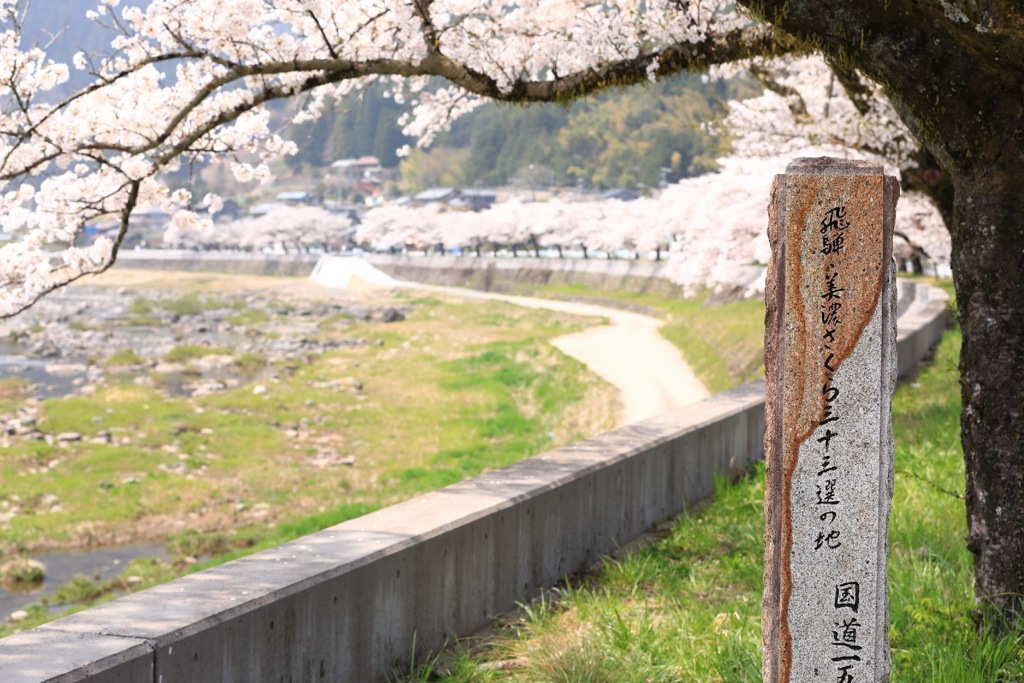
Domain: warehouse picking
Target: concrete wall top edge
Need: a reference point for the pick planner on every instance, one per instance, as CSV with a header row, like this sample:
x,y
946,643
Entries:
x,y
44,654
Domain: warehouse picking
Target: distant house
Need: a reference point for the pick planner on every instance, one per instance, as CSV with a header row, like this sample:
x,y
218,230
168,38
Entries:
x,y
346,210
364,174
297,197
265,208
475,200
435,195
360,165
622,194
478,200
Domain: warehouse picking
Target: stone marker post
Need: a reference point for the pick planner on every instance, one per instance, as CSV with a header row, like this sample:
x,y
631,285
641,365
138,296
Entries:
x,y
830,360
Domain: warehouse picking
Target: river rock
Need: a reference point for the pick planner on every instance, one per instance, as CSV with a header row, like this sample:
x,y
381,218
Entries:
x,y
214,361
65,369
19,615
69,436
100,440
22,571
389,315
169,368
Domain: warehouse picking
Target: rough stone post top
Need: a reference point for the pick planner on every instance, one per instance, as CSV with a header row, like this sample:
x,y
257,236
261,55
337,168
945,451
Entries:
x,y
832,166
830,371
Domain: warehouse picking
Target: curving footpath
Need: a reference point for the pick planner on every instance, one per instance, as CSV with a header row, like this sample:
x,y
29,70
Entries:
x,y
629,353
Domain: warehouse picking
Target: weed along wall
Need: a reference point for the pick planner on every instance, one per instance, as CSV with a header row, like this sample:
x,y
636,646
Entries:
x,y
357,600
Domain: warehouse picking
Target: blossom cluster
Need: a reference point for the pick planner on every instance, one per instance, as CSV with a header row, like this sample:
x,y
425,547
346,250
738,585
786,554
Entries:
x,y
287,228
804,105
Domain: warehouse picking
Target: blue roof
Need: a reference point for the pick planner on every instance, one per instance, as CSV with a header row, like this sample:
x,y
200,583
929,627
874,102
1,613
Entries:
x,y
294,195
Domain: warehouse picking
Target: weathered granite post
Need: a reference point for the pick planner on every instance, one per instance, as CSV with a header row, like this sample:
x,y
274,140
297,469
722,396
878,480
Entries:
x,y
830,359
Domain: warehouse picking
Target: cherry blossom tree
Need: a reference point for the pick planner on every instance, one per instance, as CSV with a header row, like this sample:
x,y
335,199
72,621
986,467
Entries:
x,y
186,80
288,228
809,107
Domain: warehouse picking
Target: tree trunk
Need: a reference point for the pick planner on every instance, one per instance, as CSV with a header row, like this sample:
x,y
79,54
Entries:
x,y
958,90
988,263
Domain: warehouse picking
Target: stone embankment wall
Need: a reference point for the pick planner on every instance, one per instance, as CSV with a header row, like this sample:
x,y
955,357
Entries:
x,y
358,600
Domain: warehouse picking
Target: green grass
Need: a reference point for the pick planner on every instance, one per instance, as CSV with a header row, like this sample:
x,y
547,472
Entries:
x,y
688,607
248,317
250,363
456,389
126,357
184,353
13,391
189,304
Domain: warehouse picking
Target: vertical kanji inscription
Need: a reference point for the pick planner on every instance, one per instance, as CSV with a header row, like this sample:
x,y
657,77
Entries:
x,y
830,344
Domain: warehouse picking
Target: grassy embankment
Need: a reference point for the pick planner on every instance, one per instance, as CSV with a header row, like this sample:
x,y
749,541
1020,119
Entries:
x,y
688,606
453,390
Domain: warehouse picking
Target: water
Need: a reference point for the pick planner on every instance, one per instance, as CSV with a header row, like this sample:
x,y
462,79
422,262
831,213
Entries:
x,y
48,384
101,564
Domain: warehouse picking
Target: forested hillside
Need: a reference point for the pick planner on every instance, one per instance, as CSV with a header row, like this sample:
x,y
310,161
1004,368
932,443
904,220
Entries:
x,y
619,139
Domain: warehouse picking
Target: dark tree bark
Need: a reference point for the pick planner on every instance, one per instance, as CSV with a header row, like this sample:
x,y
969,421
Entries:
x,y
958,88
989,277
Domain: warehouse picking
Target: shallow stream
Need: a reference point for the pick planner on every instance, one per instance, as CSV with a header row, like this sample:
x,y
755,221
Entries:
x,y
101,564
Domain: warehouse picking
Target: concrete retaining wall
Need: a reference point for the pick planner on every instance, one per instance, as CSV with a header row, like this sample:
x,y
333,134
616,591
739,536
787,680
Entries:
x,y
355,601
240,263
498,274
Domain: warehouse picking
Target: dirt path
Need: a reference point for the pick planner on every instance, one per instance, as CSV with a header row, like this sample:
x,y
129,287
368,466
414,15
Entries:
x,y
628,353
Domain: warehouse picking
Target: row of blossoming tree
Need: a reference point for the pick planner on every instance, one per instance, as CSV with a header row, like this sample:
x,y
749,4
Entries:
x,y
708,227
